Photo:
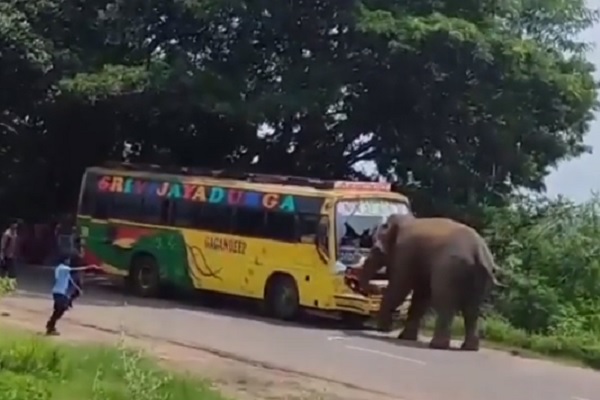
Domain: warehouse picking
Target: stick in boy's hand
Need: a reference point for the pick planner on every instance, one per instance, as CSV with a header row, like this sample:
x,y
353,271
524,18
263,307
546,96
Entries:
x,y
94,268
91,267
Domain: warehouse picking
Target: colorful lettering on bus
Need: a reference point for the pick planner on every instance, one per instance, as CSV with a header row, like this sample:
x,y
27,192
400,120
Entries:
x,y
199,193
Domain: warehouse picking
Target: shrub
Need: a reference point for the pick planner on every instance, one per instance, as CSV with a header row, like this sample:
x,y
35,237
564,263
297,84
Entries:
x,y
7,286
549,256
22,387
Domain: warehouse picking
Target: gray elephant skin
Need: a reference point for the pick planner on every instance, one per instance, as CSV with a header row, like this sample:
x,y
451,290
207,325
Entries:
x,y
447,266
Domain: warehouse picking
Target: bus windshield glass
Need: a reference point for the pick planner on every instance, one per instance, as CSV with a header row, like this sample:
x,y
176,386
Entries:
x,y
356,221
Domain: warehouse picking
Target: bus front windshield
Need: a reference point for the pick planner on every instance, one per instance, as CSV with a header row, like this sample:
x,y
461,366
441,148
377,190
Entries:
x,y
356,221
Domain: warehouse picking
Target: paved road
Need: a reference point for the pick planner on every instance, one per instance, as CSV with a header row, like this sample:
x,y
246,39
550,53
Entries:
x,y
366,359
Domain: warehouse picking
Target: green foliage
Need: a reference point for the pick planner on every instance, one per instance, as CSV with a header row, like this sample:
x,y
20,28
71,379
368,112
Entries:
x,y
36,369
471,100
7,286
549,255
111,80
20,387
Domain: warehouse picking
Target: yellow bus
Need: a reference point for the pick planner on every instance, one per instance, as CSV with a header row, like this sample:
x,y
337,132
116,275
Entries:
x,y
290,242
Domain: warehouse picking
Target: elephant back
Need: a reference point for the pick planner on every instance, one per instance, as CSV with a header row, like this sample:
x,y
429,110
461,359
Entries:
x,y
431,232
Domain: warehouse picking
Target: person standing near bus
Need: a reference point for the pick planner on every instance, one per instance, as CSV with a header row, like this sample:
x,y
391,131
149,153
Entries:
x,y
9,245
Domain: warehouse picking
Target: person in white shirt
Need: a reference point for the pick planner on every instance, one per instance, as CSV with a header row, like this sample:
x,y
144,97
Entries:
x,y
9,245
63,284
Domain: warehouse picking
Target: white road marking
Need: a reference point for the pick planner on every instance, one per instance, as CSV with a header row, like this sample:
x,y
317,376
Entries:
x,y
389,355
330,338
578,398
205,315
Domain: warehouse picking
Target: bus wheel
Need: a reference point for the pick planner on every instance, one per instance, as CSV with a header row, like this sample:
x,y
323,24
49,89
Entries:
x,y
282,299
144,276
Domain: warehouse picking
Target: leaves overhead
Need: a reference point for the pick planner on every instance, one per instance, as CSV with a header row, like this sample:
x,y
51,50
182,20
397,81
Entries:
x,y
472,99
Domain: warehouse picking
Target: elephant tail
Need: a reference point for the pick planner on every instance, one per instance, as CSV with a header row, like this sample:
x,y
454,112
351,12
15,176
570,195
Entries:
x,y
485,259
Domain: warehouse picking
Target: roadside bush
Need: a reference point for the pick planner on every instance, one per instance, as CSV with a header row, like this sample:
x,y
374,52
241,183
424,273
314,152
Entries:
x,y
549,256
6,286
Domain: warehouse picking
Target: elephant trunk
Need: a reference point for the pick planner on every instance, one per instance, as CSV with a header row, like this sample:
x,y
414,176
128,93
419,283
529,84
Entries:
x,y
370,266
364,278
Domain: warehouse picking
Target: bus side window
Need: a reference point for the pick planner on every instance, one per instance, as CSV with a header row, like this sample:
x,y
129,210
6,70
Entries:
x,y
306,228
280,226
165,212
183,213
213,217
154,210
126,206
102,206
248,222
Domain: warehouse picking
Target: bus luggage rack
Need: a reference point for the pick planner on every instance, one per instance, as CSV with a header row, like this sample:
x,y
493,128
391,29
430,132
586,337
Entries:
x,y
245,176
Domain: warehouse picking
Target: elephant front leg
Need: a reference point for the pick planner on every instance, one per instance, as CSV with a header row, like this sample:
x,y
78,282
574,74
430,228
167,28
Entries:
x,y
392,298
418,307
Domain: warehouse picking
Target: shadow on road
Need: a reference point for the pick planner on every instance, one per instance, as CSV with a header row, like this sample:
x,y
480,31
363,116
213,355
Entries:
x,y
36,282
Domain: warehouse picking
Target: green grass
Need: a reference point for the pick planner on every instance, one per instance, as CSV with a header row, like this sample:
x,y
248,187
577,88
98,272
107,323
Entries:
x,y
35,368
7,286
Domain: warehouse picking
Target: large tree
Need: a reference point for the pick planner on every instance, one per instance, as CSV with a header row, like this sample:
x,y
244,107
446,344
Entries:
x,y
477,98
472,99
26,75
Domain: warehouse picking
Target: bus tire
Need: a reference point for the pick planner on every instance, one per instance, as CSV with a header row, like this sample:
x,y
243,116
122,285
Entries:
x,y
282,299
144,276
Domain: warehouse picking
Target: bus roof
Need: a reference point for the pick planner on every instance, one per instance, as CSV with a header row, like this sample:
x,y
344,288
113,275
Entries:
x,y
297,184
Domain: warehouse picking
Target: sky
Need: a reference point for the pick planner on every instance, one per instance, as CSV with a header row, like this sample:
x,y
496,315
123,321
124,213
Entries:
x,y
578,178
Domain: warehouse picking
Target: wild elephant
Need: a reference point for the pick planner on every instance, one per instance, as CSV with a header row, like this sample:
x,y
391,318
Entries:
x,y
447,265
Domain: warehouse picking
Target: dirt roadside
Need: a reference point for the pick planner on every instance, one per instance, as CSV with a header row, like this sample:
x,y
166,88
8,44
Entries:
x,y
235,379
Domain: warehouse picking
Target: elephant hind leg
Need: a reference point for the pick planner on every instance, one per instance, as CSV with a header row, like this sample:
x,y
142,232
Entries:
x,y
471,318
445,296
442,333
471,310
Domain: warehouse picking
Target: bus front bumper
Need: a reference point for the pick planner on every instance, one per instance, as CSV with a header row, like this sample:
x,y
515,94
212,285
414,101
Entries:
x,y
357,304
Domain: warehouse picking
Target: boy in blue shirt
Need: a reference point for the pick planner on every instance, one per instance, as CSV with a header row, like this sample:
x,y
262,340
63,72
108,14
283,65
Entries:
x,y
63,284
